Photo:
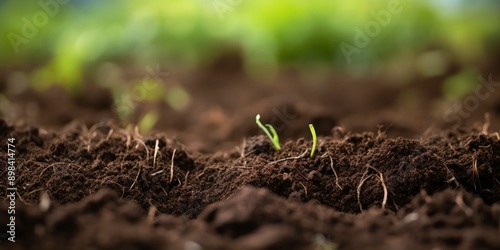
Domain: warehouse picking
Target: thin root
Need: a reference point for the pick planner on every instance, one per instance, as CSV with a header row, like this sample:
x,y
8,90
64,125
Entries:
x,y
453,178
23,200
158,172
242,149
34,191
384,201
289,158
243,155
305,188
129,138
358,191
172,166
156,153
50,166
475,172
137,177
109,134
112,182
364,178
186,178
333,169
139,140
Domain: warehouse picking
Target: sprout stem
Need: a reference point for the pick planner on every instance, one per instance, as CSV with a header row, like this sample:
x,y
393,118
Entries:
x,y
315,140
274,137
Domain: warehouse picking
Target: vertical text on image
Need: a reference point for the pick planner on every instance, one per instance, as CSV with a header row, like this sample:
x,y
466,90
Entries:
x,y
11,188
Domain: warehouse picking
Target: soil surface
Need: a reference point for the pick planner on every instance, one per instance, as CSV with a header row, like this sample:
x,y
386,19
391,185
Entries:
x,y
387,174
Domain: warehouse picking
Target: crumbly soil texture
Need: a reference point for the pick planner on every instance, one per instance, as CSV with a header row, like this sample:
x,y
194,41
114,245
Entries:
x,y
104,186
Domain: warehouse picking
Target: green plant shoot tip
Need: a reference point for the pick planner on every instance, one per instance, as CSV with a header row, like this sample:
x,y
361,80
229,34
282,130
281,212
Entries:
x,y
273,136
315,140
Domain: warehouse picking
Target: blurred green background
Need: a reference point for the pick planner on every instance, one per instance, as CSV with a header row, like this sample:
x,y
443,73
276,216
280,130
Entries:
x,y
70,42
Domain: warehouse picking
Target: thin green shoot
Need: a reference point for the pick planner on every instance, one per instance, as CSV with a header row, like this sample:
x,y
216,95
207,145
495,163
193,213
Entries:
x,y
315,139
273,136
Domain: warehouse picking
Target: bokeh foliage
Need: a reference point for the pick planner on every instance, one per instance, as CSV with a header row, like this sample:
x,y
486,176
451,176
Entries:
x,y
82,35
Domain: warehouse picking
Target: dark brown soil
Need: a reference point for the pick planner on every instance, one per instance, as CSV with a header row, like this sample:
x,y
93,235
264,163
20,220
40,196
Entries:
x,y
398,186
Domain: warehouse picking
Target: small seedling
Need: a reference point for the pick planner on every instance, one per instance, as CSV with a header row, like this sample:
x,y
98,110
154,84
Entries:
x,y
274,137
148,121
315,140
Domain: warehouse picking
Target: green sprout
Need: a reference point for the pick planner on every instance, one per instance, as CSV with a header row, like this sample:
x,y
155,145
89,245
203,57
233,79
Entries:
x,y
148,121
315,140
274,137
